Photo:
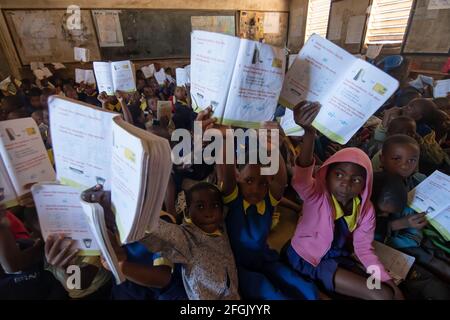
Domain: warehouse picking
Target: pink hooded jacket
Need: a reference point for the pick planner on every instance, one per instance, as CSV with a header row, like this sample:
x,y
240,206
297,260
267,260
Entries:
x,y
315,229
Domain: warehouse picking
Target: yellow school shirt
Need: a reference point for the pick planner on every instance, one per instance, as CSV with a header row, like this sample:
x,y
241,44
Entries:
x,y
351,219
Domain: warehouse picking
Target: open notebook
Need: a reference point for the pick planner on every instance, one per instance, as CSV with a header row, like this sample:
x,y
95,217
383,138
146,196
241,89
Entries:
x,y
93,146
96,219
23,159
60,212
432,196
240,79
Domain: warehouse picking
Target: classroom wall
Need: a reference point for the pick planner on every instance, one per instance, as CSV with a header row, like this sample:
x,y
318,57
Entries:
x,y
298,10
263,5
14,61
4,66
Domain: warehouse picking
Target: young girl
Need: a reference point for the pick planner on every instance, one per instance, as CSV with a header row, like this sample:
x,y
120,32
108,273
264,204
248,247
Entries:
x,y
336,206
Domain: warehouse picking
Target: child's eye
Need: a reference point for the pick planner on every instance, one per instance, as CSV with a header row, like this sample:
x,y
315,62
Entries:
x,y
412,160
357,180
200,206
249,181
339,175
395,158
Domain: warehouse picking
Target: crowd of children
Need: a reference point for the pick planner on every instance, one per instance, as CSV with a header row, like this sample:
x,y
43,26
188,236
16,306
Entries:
x,y
211,241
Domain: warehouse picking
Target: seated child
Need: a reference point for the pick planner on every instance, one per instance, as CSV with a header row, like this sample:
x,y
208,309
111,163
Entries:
x,y
400,156
251,199
389,197
200,244
336,206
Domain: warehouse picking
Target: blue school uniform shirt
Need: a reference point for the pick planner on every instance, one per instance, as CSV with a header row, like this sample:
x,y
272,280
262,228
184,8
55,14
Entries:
x,y
248,227
408,237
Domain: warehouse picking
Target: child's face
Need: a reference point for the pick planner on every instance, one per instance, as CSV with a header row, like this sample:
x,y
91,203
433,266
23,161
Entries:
x,y
140,84
37,118
45,118
206,210
408,128
43,100
345,181
180,93
401,159
253,185
153,103
413,110
385,209
148,92
71,93
35,102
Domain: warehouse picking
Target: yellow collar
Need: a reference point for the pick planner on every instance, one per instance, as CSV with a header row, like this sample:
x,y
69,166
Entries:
x,y
350,219
260,207
216,233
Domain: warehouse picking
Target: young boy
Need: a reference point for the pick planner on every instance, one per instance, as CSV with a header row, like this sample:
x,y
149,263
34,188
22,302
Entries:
x,y
400,156
389,197
400,125
200,244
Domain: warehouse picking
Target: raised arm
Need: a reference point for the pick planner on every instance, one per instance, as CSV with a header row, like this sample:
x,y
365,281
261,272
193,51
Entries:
x,y
226,171
126,112
279,182
304,115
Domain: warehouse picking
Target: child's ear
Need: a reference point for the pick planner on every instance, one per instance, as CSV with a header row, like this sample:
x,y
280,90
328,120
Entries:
x,y
381,160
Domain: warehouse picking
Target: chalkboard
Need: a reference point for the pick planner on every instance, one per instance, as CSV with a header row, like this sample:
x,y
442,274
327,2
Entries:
x,y
343,14
42,35
428,30
154,34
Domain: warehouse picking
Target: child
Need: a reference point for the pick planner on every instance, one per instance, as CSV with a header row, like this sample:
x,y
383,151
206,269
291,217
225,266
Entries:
x,y
38,117
21,272
400,156
45,93
336,206
183,116
201,245
400,125
34,99
390,197
251,199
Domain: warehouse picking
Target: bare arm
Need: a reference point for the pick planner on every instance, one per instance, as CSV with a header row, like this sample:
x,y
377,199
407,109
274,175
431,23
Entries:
x,y
148,276
304,115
